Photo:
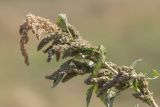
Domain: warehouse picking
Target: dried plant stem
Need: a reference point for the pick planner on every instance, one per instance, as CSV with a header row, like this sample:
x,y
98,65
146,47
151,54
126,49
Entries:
x,y
108,66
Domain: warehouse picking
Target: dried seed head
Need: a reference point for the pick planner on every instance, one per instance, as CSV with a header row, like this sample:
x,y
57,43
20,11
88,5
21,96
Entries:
x,y
23,41
39,26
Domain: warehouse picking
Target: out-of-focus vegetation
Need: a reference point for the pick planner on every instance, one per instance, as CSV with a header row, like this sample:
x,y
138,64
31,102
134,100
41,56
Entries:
x,y
128,29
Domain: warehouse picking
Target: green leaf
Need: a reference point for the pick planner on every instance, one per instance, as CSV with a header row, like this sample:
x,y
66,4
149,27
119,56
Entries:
x,y
108,98
62,22
103,99
87,50
154,74
69,76
66,64
57,80
135,85
89,95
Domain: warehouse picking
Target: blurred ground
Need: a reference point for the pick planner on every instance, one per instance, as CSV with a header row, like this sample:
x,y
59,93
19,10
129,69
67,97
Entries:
x,y
128,29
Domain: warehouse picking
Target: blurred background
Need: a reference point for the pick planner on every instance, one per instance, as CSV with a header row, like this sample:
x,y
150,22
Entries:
x,y
129,29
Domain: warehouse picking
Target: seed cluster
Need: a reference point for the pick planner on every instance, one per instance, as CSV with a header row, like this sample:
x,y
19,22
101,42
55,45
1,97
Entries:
x,y
63,40
38,26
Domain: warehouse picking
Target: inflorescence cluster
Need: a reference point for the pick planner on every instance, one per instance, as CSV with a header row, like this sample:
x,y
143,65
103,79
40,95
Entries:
x,y
62,40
